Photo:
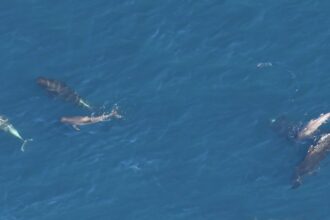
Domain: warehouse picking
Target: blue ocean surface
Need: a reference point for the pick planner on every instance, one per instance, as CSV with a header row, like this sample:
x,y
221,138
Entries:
x,y
198,83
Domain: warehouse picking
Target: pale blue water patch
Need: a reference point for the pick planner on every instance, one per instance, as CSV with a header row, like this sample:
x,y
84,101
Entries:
x,y
198,83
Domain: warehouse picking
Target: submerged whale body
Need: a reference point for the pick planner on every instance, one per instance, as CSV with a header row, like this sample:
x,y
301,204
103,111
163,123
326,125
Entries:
x,y
283,127
60,89
316,153
7,127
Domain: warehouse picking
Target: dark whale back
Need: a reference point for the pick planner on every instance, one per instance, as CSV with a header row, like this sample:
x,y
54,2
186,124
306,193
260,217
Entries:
x,y
59,89
285,128
314,156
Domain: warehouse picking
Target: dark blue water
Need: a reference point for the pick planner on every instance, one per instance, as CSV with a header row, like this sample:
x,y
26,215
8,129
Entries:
x,y
198,83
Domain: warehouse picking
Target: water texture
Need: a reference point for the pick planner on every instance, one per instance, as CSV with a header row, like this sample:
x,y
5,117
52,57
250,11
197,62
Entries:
x,y
198,83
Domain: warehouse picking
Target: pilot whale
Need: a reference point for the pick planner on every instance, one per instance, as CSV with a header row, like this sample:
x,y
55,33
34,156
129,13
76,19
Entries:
x,y
316,153
6,126
299,132
76,121
312,126
60,89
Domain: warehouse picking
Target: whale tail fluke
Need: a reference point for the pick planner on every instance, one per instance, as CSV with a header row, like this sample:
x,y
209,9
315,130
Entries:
x,y
297,180
85,104
24,143
296,184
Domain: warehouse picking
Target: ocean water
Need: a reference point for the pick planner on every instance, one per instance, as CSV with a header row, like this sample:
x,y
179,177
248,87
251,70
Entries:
x,y
198,83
